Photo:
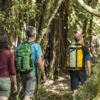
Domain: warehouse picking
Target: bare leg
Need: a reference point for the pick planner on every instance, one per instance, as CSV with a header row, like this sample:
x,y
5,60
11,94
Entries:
x,y
3,98
26,98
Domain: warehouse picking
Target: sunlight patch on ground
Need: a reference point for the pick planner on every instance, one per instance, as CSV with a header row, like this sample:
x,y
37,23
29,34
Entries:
x,y
57,87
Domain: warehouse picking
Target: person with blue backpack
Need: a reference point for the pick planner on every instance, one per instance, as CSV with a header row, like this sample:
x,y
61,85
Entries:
x,y
28,54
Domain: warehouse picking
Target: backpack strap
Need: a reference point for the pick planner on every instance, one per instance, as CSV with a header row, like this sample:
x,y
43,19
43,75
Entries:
x,y
29,42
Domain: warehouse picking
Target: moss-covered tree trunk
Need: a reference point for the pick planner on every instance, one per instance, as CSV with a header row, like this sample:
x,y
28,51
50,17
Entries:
x,y
90,32
85,23
57,44
5,8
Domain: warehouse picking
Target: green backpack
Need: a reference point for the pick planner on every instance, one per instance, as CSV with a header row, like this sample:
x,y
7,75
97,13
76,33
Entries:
x,y
23,60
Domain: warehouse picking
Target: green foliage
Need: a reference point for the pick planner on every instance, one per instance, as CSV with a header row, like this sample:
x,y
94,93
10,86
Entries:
x,y
78,16
1,16
26,10
18,16
96,24
91,89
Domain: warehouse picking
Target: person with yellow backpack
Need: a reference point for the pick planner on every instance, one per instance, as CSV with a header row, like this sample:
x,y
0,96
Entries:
x,y
78,62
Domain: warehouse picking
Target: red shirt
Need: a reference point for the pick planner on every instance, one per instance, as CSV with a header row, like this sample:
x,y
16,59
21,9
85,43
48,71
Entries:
x,y
7,66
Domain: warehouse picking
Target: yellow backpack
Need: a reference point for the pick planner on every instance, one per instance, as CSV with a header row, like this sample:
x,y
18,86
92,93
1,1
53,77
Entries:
x,y
75,57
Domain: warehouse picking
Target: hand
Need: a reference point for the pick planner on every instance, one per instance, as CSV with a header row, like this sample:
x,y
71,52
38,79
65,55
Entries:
x,y
44,78
15,89
88,76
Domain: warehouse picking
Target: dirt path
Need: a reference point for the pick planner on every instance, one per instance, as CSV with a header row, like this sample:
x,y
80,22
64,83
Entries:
x,y
59,90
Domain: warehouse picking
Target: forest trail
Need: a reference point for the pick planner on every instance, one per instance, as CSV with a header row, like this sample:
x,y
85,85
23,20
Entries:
x,y
59,90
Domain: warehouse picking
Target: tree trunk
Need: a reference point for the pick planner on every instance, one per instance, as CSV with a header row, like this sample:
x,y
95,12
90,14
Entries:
x,y
47,19
56,52
86,20
90,32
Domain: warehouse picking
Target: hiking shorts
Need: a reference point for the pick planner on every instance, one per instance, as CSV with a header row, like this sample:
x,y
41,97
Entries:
x,y
76,78
5,87
29,83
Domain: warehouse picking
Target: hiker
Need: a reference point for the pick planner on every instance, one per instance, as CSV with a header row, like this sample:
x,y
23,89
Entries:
x,y
80,70
29,74
7,68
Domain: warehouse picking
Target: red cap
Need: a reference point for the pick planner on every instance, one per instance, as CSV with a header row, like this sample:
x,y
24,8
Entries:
x,y
78,36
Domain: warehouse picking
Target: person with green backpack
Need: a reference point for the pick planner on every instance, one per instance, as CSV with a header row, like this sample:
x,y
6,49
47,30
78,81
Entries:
x,y
28,54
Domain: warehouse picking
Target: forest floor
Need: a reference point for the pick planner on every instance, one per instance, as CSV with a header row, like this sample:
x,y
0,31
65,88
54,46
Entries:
x,y
59,90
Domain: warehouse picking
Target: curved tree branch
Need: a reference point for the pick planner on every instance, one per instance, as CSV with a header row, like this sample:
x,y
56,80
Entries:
x,y
48,22
88,8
